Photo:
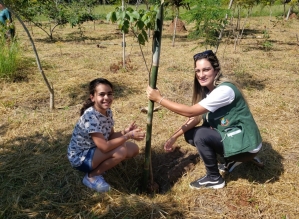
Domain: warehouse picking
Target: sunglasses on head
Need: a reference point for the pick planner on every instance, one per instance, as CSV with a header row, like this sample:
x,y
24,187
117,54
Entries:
x,y
203,54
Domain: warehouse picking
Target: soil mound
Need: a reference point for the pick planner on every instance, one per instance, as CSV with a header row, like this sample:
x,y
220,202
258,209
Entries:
x,y
293,16
180,26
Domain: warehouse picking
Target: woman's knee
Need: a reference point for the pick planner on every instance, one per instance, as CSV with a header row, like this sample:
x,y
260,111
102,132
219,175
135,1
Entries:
x,y
189,136
195,134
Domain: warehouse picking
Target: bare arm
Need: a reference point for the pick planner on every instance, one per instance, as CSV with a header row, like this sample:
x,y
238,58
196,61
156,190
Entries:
x,y
181,109
116,139
189,124
105,146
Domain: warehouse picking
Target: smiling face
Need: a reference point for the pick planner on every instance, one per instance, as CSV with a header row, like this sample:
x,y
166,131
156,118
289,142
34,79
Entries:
x,y
102,98
205,73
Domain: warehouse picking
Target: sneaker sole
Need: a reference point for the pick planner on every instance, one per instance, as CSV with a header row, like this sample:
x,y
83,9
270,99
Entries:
x,y
222,171
218,186
234,166
257,162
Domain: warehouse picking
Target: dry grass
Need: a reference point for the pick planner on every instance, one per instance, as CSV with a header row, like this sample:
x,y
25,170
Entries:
x,y
37,181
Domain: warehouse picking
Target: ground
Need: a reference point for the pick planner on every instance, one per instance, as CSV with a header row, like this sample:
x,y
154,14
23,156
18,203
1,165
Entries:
x,y
168,168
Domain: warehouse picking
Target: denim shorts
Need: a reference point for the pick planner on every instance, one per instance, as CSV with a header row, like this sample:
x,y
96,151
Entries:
x,y
86,166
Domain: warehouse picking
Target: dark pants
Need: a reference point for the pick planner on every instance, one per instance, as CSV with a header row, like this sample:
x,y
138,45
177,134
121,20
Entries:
x,y
208,143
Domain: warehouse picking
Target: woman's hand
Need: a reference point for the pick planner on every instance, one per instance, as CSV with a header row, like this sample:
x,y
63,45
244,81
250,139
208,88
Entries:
x,y
168,146
153,94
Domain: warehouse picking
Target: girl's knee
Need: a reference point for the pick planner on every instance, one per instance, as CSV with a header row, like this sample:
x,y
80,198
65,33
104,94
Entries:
x,y
132,150
121,153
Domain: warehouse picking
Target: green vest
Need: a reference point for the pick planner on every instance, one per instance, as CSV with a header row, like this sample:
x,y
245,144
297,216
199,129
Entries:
x,y
236,125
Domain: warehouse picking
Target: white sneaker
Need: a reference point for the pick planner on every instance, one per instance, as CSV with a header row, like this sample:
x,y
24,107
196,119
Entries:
x,y
99,184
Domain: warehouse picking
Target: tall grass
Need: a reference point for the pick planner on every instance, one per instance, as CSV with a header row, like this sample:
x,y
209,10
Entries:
x,y
9,58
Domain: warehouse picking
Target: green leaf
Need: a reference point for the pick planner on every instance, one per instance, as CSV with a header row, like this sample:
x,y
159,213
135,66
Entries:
x,y
136,15
144,35
140,24
111,16
141,39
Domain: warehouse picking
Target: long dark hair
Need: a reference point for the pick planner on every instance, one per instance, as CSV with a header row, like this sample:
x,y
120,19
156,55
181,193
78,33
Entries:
x,y
92,89
200,92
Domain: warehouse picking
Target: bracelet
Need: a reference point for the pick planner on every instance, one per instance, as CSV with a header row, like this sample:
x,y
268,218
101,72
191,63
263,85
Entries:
x,y
161,100
126,137
132,134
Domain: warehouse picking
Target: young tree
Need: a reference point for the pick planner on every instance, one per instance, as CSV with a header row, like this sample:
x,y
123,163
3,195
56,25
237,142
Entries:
x,y
138,22
153,81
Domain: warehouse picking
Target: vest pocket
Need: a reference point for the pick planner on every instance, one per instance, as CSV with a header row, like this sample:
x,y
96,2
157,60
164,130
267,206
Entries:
x,y
233,140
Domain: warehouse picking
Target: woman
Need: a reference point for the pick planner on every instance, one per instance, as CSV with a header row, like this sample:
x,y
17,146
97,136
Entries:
x,y
228,127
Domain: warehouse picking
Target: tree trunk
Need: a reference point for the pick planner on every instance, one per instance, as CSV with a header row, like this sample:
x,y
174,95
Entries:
x,y
221,32
124,39
289,13
174,29
153,81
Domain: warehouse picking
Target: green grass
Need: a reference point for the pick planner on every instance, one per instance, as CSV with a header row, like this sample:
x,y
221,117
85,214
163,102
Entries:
x,y
9,58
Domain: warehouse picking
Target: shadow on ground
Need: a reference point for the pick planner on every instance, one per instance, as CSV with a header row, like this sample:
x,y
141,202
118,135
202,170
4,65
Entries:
x,y
169,167
273,167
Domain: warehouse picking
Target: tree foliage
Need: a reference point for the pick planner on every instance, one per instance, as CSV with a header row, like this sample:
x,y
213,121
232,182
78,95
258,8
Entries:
x,y
209,18
138,21
177,4
49,14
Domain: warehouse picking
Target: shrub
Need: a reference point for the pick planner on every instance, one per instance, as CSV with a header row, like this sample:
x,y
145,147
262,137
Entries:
x,y
9,57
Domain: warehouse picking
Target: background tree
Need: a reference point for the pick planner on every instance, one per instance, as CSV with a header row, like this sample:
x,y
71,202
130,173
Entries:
x,y
136,21
176,4
48,14
209,19
45,14
49,86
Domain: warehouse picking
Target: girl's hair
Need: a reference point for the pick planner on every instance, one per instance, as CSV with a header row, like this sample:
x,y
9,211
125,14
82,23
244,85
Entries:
x,y
92,89
200,92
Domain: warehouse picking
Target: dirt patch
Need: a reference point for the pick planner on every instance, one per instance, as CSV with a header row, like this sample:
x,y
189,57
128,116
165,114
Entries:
x,y
169,167
180,26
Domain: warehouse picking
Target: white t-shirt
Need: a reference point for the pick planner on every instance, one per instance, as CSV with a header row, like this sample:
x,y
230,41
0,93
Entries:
x,y
219,97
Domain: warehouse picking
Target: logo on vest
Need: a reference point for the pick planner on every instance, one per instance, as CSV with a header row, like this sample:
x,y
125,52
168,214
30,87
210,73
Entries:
x,y
224,122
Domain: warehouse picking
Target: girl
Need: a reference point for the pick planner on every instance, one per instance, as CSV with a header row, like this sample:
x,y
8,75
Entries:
x,y
95,147
228,127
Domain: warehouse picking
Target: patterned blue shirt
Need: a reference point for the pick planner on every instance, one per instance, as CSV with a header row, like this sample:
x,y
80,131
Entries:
x,y
91,121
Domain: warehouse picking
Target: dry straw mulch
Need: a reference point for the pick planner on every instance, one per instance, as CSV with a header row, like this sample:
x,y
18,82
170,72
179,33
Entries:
x,y
36,180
